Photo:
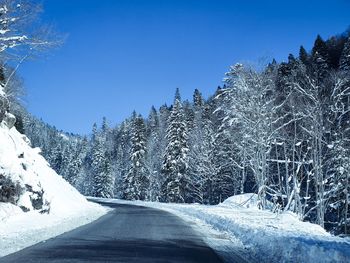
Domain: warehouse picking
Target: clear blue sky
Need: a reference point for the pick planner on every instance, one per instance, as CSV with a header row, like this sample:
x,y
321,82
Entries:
x,y
125,55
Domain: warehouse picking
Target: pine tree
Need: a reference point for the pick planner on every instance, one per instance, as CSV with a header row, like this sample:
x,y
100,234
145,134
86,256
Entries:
x,y
197,99
344,63
66,163
175,158
177,94
73,160
320,58
55,157
122,149
164,116
104,128
137,181
153,157
103,182
304,56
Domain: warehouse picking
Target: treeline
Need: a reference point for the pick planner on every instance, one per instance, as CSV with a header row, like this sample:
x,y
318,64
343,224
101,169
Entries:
x,y
282,132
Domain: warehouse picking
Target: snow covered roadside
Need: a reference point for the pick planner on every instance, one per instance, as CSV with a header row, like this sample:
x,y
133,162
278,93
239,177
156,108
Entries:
x,y
21,229
261,236
27,183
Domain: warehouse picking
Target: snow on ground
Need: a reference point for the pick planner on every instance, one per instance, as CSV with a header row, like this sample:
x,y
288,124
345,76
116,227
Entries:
x,y
259,236
53,205
20,230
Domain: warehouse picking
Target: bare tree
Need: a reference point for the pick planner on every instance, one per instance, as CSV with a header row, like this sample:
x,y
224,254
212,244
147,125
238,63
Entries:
x,y
21,37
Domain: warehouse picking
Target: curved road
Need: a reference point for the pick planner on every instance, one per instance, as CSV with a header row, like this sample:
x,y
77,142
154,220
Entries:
x,y
128,233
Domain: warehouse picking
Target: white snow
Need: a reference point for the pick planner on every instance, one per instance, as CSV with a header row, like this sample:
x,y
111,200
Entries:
x,y
259,236
67,208
7,210
4,31
19,230
244,200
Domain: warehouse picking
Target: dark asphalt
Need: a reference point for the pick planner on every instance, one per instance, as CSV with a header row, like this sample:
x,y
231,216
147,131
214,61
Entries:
x,y
127,234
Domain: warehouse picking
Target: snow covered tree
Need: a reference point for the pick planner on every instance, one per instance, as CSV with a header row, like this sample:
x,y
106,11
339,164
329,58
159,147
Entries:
x,y
337,216
250,113
56,157
338,192
198,100
225,154
344,63
320,58
313,109
74,153
20,37
137,181
304,56
82,180
103,182
175,162
17,28
201,170
121,153
177,95
154,155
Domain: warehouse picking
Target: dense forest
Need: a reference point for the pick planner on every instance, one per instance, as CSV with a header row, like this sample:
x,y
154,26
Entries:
x,y
282,132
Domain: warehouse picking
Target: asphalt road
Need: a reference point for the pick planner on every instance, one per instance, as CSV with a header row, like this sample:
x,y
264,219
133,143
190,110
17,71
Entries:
x,y
126,234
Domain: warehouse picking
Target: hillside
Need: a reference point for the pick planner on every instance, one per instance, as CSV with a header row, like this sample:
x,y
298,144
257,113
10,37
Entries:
x,y
35,202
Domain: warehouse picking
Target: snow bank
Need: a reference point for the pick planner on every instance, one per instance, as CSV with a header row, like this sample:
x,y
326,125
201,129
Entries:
x,y
24,229
248,200
265,236
43,203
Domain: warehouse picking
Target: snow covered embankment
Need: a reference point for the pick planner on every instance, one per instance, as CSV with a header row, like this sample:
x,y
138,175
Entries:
x,y
272,238
35,202
265,236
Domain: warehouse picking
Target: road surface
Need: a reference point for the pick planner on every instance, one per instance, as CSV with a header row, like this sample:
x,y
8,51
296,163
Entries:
x,y
126,234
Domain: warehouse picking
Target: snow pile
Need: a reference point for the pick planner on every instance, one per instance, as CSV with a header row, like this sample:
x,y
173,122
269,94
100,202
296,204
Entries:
x,y
248,200
265,236
35,203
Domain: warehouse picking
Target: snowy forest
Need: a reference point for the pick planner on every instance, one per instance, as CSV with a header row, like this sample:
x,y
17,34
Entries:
x,y
281,131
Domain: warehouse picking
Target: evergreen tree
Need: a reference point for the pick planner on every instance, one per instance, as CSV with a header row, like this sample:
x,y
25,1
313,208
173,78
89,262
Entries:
x,y
304,56
197,99
122,149
154,155
164,116
175,158
344,63
82,180
66,163
55,157
137,181
177,94
320,58
103,182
